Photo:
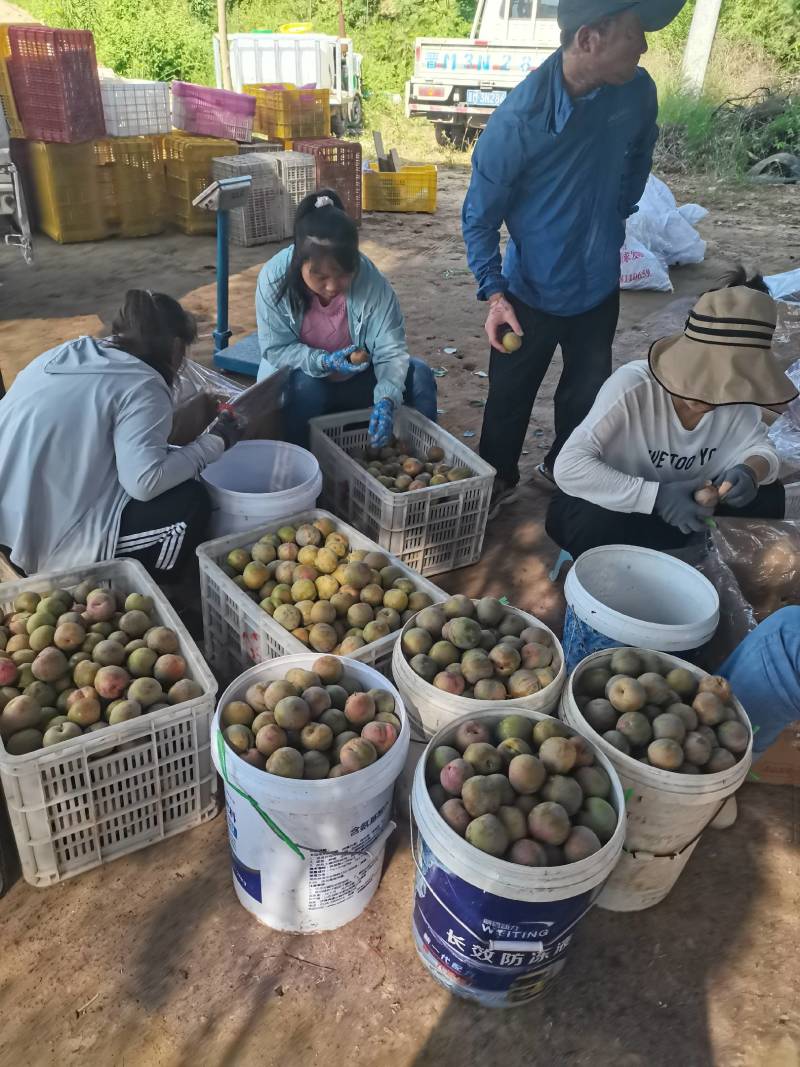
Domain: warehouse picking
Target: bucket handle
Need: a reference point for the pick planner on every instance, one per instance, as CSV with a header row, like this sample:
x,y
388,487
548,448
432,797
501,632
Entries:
x,y
223,762
680,851
498,946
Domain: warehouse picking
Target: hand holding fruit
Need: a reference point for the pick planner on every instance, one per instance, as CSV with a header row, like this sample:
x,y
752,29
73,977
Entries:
x,y
676,504
707,495
738,486
502,314
340,362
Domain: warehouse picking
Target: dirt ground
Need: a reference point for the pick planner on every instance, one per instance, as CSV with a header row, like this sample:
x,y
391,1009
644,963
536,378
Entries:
x,y
151,960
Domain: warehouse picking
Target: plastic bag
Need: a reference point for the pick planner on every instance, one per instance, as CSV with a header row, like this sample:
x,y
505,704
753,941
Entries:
x,y
784,286
642,269
663,228
194,378
736,615
784,434
658,235
764,558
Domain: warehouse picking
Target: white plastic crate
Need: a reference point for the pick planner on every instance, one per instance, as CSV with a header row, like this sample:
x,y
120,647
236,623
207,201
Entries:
x,y
430,530
263,217
298,175
238,633
135,108
87,801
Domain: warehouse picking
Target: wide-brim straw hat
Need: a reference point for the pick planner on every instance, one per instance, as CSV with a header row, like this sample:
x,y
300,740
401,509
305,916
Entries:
x,y
724,355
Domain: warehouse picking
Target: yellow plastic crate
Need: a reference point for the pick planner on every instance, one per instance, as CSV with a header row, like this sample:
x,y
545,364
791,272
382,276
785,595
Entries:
x,y
184,148
70,199
412,189
133,185
291,114
7,102
188,163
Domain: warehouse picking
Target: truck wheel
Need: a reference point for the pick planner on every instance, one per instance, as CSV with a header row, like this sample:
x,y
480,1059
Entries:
x,y
356,113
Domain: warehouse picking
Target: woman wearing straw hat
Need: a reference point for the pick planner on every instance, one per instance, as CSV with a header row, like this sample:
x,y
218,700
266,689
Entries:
x,y
687,418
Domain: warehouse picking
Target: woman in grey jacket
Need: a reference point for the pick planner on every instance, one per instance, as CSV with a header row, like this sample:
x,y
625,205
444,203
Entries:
x,y
86,471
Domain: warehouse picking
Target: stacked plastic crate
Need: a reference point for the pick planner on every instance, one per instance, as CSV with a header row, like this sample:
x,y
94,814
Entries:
x,y
263,217
338,167
189,164
287,114
55,83
133,185
298,177
212,112
130,158
56,93
7,102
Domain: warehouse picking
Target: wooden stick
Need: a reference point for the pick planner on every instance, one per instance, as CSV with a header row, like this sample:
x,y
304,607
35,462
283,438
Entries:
x,y
380,151
394,158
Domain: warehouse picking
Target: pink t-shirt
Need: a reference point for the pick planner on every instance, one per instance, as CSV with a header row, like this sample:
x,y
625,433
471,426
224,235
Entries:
x,y
326,327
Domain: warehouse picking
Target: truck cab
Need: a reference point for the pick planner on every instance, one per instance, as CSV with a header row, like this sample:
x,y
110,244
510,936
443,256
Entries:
x,y
457,83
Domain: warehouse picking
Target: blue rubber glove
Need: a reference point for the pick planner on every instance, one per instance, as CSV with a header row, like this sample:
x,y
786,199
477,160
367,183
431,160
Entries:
x,y
338,363
743,486
675,503
382,423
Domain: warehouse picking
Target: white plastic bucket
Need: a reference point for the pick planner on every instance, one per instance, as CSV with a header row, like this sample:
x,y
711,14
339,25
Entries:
x,y
316,864
625,595
258,481
429,709
489,930
667,812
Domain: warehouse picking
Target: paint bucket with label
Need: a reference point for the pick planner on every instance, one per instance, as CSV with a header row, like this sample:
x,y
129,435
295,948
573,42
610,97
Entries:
x,y
489,930
306,855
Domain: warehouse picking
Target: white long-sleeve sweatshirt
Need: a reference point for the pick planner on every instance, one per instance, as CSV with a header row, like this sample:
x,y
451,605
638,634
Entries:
x,y
632,440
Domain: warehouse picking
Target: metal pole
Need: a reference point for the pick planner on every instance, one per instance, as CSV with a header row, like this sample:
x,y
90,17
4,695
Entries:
x,y
222,334
698,46
224,52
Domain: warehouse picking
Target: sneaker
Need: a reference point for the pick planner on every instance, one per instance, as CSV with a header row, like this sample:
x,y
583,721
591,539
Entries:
x,y
502,494
543,477
727,815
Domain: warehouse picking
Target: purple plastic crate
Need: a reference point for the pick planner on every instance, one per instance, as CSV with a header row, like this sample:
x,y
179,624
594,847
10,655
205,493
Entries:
x,y
212,112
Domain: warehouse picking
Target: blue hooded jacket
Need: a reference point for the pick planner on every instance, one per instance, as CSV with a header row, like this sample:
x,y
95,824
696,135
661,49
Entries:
x,y
563,175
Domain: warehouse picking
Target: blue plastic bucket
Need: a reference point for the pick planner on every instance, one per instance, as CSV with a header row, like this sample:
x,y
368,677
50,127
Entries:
x,y
492,931
626,595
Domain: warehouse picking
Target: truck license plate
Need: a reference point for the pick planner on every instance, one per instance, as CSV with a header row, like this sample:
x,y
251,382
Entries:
x,y
478,98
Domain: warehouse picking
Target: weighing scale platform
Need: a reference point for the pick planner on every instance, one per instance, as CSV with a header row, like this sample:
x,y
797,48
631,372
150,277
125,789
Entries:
x,y
243,357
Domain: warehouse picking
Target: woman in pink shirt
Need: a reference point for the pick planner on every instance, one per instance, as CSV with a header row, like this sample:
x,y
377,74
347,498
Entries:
x,y
325,311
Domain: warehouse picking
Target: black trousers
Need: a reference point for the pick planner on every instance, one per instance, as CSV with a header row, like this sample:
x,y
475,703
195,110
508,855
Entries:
x,y
514,379
577,525
163,533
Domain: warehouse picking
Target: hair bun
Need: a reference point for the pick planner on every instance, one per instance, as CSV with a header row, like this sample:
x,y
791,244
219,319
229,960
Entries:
x,y
323,201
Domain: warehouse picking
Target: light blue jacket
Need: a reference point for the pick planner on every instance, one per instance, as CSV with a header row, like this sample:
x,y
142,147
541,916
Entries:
x,y
373,313
83,430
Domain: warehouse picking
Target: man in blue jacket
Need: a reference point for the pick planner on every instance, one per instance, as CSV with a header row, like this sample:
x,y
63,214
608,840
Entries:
x,y
562,162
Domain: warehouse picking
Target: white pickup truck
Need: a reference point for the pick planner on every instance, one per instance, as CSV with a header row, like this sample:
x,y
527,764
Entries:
x,y
458,83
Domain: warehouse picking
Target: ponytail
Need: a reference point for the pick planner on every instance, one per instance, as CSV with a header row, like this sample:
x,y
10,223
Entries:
x,y
148,325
